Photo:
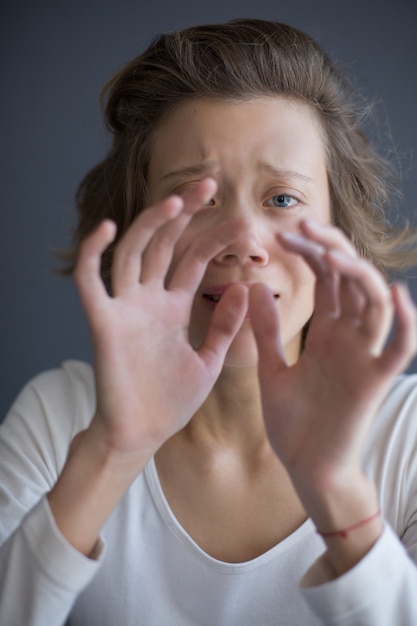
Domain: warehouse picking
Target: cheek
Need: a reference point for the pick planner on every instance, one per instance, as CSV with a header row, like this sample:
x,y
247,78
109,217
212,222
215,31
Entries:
x,y
299,300
197,228
180,249
195,233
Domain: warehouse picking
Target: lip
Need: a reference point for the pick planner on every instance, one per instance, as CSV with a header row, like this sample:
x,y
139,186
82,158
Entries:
x,y
219,290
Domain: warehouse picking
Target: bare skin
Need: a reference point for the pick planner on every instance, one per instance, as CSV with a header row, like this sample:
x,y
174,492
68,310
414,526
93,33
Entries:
x,y
125,433
259,437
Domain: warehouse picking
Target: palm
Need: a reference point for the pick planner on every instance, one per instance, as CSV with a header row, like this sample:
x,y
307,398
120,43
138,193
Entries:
x,y
320,407
150,380
318,411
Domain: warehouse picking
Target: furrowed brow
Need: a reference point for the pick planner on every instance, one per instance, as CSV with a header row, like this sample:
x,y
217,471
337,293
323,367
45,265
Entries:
x,y
283,173
203,169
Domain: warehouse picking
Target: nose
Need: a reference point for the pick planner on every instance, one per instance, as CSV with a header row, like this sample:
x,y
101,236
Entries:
x,y
247,249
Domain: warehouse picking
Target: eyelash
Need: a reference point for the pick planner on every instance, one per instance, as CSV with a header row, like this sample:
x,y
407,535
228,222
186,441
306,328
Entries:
x,y
269,201
292,199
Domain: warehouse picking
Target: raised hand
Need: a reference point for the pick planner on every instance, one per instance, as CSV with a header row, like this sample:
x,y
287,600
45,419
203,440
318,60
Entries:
x,y
149,379
317,412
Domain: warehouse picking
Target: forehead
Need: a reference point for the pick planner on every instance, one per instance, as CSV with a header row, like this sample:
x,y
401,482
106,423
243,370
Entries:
x,y
200,130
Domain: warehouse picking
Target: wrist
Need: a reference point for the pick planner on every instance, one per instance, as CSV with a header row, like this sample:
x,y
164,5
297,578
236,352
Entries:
x,y
125,462
95,477
347,516
346,531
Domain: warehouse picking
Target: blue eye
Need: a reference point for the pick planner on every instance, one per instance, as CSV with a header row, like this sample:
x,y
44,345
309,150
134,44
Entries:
x,y
282,201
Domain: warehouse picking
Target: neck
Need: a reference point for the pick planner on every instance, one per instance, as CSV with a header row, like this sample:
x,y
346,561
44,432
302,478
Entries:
x,y
231,416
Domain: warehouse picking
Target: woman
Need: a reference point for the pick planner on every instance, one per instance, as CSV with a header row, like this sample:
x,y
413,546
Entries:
x,y
244,427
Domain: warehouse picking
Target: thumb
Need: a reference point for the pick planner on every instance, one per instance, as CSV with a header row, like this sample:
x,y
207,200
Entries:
x,y
227,319
265,325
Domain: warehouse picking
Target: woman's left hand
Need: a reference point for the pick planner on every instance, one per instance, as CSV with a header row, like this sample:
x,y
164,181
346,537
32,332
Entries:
x,y
317,412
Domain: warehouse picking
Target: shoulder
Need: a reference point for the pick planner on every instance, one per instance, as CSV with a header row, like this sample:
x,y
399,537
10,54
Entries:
x,y
59,403
396,418
399,408
390,453
404,388
72,383
37,432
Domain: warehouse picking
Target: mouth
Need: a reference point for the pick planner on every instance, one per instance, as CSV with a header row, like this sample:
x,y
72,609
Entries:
x,y
212,297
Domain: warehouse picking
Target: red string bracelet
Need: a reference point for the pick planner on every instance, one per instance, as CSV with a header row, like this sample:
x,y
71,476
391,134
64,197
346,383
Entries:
x,y
345,531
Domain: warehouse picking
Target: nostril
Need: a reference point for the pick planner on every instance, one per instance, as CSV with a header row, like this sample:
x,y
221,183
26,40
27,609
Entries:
x,y
240,254
259,259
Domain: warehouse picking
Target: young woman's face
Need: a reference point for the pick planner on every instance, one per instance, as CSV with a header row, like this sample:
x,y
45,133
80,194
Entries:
x,y
267,156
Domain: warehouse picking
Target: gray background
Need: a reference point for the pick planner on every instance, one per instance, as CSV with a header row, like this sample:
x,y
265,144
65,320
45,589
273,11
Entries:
x,y
55,56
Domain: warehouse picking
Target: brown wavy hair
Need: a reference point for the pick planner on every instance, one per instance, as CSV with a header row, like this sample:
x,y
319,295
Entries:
x,y
240,60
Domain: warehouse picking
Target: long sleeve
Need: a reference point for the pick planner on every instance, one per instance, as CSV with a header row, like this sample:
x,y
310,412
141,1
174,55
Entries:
x,y
381,590
40,573
43,579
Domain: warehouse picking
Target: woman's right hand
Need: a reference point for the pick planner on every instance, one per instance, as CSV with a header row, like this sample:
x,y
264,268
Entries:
x,y
149,379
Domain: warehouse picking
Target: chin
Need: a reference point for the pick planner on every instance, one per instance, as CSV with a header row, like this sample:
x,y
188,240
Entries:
x,y
241,360
242,351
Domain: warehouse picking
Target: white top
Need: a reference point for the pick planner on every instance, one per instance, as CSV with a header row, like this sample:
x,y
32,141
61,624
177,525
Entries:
x,y
152,573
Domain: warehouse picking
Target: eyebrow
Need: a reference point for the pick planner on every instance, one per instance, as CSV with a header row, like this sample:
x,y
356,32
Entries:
x,y
283,173
193,170
209,167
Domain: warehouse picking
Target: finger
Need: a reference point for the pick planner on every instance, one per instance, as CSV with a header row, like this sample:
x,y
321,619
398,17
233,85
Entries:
x,y
197,195
403,346
328,236
191,267
351,300
226,320
157,257
265,325
377,309
314,255
87,276
127,260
